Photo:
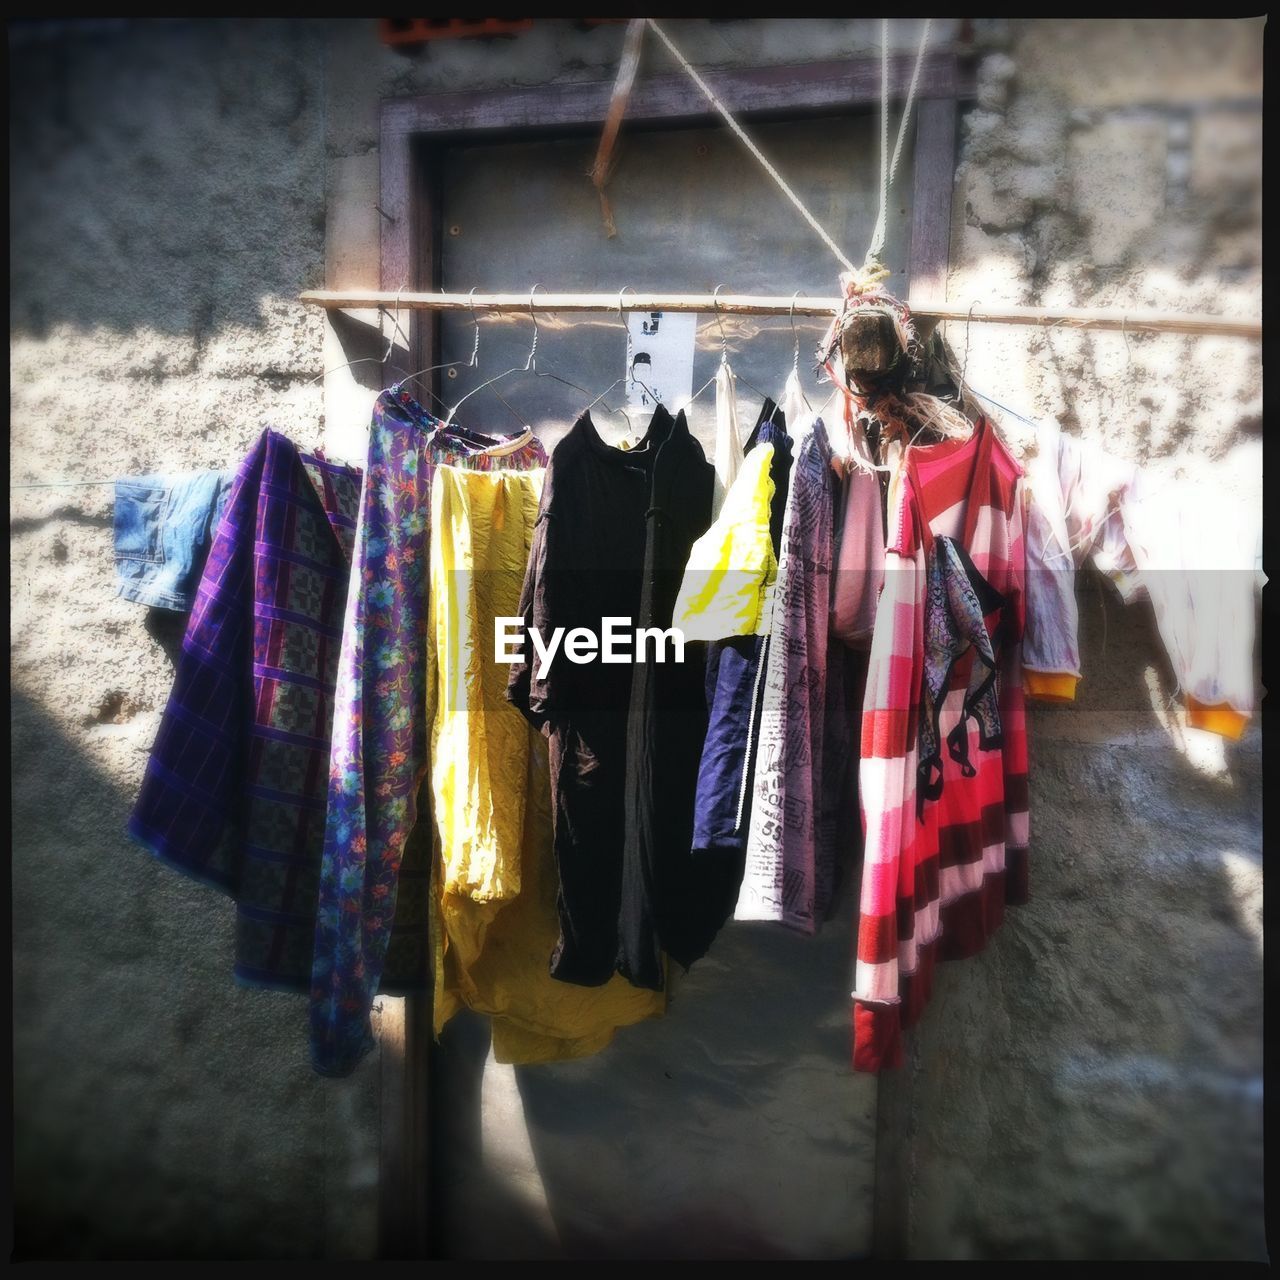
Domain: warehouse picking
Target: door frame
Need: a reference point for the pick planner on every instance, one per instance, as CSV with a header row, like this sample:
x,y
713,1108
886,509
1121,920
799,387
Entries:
x,y
412,130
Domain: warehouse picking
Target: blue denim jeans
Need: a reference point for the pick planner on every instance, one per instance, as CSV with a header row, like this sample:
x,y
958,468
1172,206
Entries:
x,y
164,527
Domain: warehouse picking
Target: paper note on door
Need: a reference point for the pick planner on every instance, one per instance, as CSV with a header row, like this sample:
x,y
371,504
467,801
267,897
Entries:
x,y
662,358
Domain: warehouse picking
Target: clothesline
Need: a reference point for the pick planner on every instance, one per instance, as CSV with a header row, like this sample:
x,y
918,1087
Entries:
x,y
1127,320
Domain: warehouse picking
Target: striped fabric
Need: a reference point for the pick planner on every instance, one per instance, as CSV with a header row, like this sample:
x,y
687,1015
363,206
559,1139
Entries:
x,y
936,879
234,792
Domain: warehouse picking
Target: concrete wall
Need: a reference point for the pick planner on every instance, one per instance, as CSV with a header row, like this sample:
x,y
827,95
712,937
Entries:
x,y
1090,1086
168,205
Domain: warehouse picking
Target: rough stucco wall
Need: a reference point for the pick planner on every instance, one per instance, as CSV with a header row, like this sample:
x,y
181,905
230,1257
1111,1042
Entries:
x,y
168,205
1091,1087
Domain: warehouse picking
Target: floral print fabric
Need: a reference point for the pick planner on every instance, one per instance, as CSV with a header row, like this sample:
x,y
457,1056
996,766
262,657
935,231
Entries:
x,y
379,754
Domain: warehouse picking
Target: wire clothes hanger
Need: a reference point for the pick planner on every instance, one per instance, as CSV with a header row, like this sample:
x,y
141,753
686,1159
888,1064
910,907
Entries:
x,y
628,375
530,366
384,359
724,359
497,377
473,362
795,368
795,340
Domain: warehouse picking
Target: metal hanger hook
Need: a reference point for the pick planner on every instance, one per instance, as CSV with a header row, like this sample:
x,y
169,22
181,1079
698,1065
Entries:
x,y
795,335
724,340
964,368
395,328
474,362
531,364
622,320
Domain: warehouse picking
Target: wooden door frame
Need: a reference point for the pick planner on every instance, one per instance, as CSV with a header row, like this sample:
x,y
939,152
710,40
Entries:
x,y
411,131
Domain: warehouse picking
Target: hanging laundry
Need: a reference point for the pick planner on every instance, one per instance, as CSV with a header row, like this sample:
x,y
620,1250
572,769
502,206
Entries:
x,y
1194,549
374,885
728,457
790,871
1185,547
772,428
735,687
961,611
793,408
164,527
730,575
613,536
858,572
234,792
478,743
1068,478
494,899
946,831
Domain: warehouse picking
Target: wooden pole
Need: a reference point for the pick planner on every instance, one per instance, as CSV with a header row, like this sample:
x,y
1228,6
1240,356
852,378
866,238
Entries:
x,y
1135,320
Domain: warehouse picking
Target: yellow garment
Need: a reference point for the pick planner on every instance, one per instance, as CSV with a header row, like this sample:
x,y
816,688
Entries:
x,y
493,920
728,583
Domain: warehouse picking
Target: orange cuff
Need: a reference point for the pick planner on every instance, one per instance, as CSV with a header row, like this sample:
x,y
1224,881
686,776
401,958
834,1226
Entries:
x,y
1049,686
1222,718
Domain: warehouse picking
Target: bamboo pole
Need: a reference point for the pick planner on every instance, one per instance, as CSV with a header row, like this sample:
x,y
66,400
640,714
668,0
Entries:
x,y
1132,320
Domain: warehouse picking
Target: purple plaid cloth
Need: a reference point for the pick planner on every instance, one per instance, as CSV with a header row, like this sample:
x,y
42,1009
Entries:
x,y
234,792
376,852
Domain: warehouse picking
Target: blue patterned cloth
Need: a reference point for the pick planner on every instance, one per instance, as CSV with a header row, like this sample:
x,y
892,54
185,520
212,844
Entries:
x,y
234,792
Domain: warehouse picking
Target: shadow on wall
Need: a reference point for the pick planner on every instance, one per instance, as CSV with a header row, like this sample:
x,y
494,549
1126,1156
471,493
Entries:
x,y
164,236
1092,1087
160,1111
1088,1087
730,1128
1094,1078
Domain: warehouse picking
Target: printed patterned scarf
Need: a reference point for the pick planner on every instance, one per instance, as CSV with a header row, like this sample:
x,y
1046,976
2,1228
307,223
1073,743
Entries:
x,y
958,601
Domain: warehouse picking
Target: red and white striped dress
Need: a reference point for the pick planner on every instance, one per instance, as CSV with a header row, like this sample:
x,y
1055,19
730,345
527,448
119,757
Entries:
x,y
935,881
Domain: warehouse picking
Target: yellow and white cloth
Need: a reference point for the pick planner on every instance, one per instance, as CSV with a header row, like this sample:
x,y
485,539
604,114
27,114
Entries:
x,y
728,582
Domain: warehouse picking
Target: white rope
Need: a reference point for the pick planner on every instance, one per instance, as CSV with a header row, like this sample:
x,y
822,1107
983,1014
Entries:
x,y
911,97
877,235
751,146
890,171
